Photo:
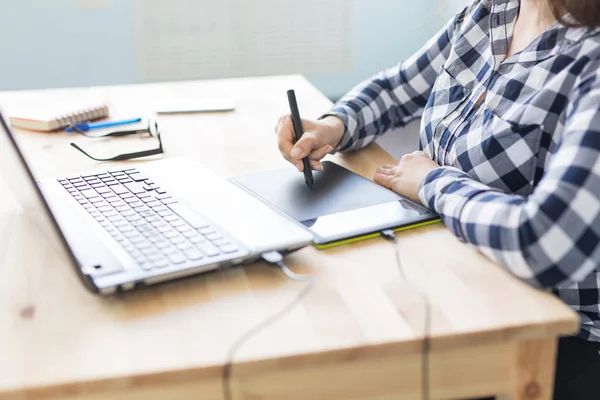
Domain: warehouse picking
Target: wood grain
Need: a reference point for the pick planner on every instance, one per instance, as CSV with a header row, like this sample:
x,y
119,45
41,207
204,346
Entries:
x,y
358,334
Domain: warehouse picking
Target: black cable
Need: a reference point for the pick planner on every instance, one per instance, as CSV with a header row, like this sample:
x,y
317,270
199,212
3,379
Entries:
x,y
274,258
390,235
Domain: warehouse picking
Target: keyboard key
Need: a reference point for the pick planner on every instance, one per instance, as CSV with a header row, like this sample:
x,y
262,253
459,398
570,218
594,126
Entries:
x,y
109,195
159,191
128,213
184,245
198,239
149,251
122,208
113,200
145,265
160,263
131,200
148,188
147,213
178,239
144,244
176,258
138,177
190,234
170,249
220,242
148,199
207,231
80,184
188,215
117,173
111,183
89,193
134,187
193,254
171,234
154,204
169,201
208,249
143,195
184,228
177,222
137,239
163,196
229,248
126,196
103,189
214,236
118,189
159,223
162,244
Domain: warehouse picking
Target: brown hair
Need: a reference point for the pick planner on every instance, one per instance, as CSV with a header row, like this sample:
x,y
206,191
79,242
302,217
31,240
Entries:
x,y
585,12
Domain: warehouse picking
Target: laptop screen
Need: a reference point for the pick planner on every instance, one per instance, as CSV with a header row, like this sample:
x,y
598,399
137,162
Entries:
x,y
18,179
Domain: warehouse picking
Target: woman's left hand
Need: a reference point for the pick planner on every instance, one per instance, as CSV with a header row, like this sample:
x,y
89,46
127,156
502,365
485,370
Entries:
x,y
405,178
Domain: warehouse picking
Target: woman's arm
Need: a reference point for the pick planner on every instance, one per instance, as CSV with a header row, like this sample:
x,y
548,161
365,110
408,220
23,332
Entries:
x,y
552,237
396,96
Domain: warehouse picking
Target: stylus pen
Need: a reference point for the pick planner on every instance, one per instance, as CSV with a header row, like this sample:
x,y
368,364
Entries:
x,y
298,131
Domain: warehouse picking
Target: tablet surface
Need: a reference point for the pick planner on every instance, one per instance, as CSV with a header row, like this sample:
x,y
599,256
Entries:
x,y
342,206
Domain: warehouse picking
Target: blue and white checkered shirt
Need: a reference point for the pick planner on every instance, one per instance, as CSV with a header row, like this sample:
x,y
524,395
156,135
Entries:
x,y
520,173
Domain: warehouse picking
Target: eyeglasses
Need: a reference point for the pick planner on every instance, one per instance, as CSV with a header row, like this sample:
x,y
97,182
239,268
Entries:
x,y
151,130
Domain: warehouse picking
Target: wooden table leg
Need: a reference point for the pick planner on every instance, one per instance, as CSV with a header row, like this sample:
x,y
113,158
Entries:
x,y
533,369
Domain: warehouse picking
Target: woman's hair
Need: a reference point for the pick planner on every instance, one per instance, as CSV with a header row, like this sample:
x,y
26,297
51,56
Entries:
x,y
585,12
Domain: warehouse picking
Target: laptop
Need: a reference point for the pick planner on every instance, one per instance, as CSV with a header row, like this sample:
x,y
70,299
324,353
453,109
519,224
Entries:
x,y
141,224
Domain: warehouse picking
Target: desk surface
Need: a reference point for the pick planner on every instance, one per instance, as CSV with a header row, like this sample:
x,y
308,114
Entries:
x,y
360,309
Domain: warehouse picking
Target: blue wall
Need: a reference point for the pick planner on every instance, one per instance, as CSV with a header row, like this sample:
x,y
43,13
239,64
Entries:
x,y
55,43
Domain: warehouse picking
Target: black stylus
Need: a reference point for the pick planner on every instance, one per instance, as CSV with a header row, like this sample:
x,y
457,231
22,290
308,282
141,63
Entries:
x,y
298,131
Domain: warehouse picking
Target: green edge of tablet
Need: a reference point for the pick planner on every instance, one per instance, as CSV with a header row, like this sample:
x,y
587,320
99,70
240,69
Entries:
x,y
373,235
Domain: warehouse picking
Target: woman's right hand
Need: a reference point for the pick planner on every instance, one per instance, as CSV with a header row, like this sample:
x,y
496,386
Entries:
x,y
319,138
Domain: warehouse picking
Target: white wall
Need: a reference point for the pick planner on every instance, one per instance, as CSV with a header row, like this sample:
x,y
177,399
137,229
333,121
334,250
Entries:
x,y
57,43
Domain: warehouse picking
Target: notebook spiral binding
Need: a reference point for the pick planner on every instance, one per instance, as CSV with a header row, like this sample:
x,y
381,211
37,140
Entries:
x,y
86,114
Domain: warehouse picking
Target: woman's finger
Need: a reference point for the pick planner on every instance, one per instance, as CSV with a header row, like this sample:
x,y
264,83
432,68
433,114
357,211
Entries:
x,y
387,170
316,165
384,179
320,152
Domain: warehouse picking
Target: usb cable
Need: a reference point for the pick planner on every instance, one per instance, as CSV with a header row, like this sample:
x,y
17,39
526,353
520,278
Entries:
x,y
274,258
391,236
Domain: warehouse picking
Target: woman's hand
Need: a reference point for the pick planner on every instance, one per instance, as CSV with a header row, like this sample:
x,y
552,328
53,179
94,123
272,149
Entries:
x,y
405,178
319,138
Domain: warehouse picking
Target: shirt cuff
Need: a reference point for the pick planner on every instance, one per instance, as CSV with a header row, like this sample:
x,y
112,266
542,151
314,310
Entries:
x,y
346,141
447,190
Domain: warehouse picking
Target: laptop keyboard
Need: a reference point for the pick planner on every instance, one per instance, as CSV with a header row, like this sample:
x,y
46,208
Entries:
x,y
154,228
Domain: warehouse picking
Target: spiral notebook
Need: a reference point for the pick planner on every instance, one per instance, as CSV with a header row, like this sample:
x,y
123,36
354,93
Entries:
x,y
50,119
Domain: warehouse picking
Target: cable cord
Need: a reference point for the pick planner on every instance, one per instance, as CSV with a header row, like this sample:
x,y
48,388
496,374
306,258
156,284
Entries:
x,y
391,236
274,258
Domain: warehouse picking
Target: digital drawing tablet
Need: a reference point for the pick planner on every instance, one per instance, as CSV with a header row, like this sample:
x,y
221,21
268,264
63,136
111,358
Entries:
x,y
342,207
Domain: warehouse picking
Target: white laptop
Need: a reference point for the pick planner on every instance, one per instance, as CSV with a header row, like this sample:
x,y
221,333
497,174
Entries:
x,y
142,224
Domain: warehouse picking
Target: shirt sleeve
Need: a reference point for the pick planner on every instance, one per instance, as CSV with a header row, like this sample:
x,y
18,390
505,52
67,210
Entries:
x,y
552,237
395,96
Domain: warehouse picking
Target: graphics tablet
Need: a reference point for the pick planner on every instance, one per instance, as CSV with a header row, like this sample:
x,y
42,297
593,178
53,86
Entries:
x,y
342,207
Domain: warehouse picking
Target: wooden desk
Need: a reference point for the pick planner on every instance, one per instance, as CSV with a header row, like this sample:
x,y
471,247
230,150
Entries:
x,y
357,335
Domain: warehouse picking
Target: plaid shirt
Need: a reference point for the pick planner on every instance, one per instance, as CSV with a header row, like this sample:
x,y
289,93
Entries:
x,y
520,173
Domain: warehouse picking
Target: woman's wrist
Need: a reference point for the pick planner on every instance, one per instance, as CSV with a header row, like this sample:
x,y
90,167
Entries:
x,y
336,129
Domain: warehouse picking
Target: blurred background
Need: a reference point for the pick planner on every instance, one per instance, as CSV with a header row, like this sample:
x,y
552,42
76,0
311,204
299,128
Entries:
x,y
334,43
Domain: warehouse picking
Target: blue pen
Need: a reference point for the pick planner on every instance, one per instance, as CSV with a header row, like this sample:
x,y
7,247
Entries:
x,y
87,126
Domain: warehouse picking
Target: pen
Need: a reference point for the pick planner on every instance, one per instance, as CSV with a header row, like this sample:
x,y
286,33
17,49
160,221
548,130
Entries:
x,y
298,131
86,126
